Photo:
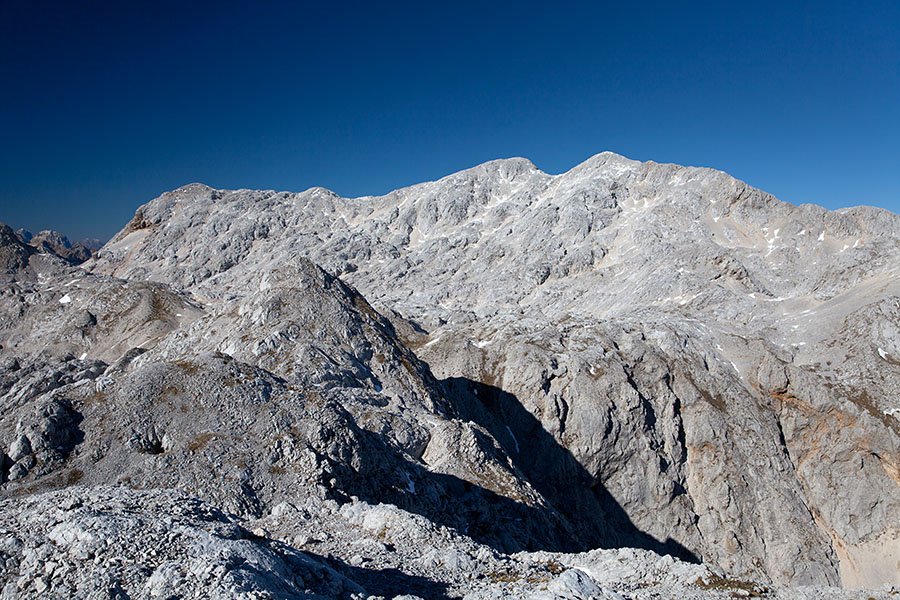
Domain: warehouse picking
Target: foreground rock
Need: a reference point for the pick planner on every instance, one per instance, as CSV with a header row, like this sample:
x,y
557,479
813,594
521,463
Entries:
x,y
119,543
115,542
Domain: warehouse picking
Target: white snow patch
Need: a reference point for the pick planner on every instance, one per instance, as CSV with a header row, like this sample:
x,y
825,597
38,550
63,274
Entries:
x,y
735,367
772,241
822,236
410,484
882,354
65,299
83,356
73,281
482,343
434,341
515,441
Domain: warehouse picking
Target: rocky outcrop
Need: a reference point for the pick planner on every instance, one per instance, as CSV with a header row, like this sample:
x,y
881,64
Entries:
x,y
116,542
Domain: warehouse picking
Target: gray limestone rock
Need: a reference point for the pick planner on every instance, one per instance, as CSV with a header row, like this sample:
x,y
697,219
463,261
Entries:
x,y
623,355
115,542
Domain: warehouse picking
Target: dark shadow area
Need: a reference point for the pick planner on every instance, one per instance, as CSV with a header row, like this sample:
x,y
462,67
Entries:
x,y
598,519
386,582
388,475
581,514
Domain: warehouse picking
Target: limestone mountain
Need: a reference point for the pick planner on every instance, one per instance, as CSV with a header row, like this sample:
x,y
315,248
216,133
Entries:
x,y
56,243
623,355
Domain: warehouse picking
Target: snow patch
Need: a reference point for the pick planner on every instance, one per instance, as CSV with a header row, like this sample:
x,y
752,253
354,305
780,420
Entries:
x,y
882,354
65,299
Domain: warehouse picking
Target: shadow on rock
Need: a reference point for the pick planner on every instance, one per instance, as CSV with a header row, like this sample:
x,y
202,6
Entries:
x,y
388,582
555,473
503,523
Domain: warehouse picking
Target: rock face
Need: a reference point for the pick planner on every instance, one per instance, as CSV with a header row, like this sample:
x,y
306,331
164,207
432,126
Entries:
x,y
625,355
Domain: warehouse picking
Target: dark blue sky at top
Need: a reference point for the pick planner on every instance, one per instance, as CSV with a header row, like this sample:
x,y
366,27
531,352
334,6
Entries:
x,y
105,105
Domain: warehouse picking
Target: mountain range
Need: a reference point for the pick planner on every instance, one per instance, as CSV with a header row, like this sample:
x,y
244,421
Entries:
x,y
500,383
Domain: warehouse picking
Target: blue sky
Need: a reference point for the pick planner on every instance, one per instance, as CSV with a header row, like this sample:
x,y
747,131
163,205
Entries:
x,y
105,105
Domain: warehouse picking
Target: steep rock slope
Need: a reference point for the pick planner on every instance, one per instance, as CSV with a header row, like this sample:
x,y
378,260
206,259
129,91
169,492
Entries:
x,y
672,358
315,397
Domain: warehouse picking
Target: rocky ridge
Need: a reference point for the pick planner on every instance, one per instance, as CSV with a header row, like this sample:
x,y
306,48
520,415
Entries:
x,y
624,355
54,242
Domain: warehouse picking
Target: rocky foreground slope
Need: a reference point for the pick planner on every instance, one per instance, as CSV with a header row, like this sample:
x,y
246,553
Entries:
x,y
629,355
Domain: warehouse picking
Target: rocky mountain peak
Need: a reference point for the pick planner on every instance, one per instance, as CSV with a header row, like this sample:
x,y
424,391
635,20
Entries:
x,y
53,242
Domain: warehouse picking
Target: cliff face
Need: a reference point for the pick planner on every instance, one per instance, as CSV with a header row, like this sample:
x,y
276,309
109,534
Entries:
x,y
626,354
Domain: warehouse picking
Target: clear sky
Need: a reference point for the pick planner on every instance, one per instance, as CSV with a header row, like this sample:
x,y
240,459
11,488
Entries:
x,y
105,105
